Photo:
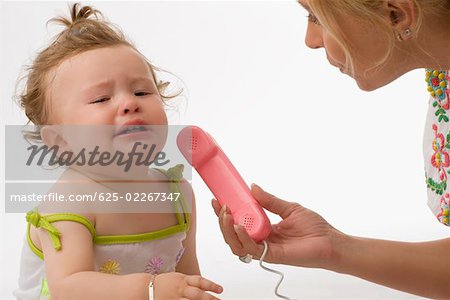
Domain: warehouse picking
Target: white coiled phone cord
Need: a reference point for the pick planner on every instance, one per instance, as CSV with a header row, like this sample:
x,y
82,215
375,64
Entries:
x,y
266,248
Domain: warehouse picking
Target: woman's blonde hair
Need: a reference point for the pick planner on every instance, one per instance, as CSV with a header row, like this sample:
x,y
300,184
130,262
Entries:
x,y
86,29
368,12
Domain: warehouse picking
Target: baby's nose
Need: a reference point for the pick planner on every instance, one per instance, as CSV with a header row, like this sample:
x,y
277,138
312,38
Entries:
x,y
129,106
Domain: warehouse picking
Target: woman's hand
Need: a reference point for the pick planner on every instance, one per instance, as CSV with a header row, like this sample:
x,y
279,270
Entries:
x,y
301,238
177,286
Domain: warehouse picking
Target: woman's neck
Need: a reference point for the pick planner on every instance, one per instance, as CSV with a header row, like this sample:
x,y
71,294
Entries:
x,y
433,44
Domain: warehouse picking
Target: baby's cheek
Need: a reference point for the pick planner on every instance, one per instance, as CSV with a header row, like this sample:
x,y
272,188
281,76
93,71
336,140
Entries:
x,y
158,116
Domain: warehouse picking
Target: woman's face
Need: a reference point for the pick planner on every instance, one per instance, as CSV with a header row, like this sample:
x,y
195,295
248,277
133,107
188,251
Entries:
x,y
369,46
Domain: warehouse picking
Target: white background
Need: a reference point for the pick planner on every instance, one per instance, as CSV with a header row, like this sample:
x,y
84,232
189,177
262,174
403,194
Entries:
x,y
287,119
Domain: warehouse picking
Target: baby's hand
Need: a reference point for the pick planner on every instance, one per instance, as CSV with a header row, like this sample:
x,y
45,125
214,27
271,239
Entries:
x,y
179,286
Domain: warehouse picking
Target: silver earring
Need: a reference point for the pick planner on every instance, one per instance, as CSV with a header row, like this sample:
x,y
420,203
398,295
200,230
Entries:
x,y
408,31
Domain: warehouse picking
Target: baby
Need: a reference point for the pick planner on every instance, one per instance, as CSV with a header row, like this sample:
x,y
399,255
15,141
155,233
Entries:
x,y
92,76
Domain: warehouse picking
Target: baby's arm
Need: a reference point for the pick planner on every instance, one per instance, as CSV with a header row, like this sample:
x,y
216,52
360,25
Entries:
x,y
188,263
70,274
70,271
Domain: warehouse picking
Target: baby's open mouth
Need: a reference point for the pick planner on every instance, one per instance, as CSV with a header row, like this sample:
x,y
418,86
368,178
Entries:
x,y
131,129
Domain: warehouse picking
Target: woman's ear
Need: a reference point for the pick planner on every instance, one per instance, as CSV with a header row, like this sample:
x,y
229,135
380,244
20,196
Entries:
x,y
52,137
402,15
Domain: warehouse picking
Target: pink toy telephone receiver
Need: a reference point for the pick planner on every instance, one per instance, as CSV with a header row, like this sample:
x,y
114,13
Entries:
x,y
224,181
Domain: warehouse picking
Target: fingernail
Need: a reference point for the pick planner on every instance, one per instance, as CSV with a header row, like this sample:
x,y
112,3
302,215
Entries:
x,y
223,209
254,185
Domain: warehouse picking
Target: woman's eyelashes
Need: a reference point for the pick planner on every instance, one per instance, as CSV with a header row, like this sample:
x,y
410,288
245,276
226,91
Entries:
x,y
312,18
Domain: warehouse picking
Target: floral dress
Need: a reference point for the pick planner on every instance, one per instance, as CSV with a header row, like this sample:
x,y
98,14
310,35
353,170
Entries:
x,y
436,146
151,252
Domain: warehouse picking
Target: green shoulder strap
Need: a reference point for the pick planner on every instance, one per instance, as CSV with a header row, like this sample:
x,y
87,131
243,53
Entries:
x,y
34,218
175,176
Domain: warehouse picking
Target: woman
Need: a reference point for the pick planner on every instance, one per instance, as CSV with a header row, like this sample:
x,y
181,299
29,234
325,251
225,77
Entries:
x,y
374,42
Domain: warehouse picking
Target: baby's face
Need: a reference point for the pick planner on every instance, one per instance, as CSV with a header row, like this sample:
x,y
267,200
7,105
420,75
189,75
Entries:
x,y
112,91
106,86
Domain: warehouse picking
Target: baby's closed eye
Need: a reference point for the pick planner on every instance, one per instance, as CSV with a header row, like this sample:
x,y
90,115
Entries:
x,y
142,93
99,100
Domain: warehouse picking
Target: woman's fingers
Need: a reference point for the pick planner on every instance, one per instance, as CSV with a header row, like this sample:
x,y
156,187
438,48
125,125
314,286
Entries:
x,y
267,200
221,215
230,236
272,203
250,246
216,206
235,236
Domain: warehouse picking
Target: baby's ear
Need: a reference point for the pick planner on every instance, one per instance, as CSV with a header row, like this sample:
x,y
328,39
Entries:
x,y
52,136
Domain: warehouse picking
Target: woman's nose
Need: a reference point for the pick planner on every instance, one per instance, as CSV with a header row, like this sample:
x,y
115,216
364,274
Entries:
x,y
313,37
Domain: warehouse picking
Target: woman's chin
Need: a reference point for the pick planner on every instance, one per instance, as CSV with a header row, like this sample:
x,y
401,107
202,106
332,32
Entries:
x,y
374,82
368,86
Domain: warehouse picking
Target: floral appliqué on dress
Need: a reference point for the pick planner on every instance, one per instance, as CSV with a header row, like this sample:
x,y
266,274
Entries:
x,y
110,267
179,255
438,82
439,160
154,265
443,216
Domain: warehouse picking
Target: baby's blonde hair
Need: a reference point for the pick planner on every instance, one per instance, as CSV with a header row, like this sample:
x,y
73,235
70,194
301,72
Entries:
x,y
368,12
85,30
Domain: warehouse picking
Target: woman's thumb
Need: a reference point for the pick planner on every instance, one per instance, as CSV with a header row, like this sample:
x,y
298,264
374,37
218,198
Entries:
x,y
269,201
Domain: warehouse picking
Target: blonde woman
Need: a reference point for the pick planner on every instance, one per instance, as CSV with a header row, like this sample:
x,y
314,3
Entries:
x,y
375,42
